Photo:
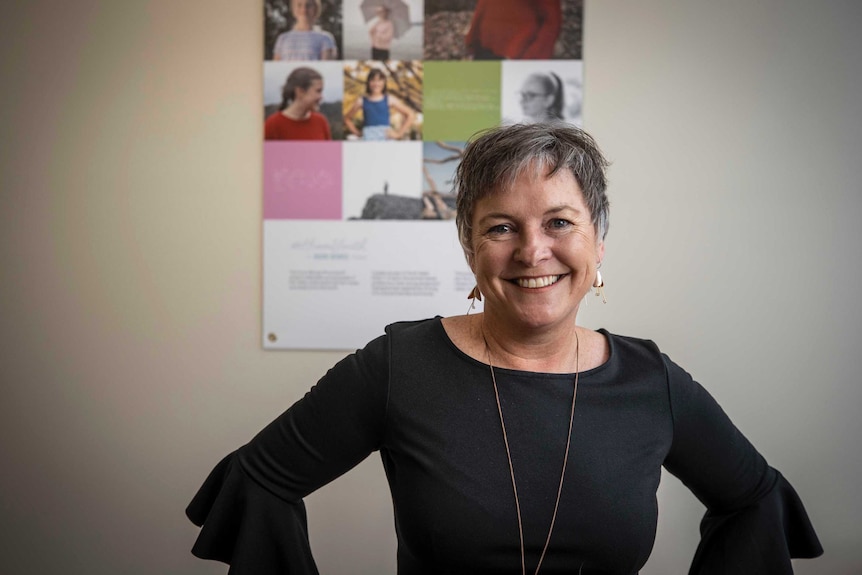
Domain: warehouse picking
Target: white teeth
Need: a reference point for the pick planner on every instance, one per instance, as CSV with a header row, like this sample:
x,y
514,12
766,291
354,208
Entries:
x,y
537,282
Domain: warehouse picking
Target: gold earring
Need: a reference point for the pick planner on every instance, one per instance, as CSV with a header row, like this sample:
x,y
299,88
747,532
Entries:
x,y
599,284
474,296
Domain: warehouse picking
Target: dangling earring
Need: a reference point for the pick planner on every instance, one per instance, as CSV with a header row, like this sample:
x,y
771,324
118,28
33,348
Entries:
x,y
599,284
474,296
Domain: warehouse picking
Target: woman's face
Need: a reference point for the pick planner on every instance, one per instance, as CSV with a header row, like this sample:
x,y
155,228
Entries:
x,y
311,98
303,9
535,251
376,84
535,101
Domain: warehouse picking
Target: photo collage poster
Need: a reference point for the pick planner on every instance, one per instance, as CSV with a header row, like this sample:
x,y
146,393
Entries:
x,y
368,105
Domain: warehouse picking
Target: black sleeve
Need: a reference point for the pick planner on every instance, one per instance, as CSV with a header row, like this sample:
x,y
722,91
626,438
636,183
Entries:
x,y
755,521
250,506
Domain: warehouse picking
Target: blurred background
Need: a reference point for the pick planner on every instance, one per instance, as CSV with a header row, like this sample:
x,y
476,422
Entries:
x,y
130,250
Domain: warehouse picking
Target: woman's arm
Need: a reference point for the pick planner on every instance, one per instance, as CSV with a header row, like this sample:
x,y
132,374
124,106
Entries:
x,y
550,17
755,522
472,40
350,114
329,51
404,110
327,432
250,507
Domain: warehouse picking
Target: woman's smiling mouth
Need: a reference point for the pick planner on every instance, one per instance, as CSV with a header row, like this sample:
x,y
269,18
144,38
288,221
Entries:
x,y
538,282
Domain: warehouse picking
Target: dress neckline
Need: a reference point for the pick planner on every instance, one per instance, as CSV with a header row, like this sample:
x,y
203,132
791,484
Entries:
x,y
524,373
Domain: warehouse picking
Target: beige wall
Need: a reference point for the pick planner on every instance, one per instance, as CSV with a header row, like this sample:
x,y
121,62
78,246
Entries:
x,y
130,301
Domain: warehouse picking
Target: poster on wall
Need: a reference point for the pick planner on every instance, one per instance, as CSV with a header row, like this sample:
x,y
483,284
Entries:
x,y
368,105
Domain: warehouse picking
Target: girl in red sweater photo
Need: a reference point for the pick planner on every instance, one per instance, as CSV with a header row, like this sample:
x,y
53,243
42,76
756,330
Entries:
x,y
298,117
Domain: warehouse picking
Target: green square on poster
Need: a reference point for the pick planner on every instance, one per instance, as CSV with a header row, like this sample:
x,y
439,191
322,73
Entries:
x,y
459,99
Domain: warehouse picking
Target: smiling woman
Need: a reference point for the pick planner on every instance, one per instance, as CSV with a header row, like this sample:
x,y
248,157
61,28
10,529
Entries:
x,y
514,440
534,251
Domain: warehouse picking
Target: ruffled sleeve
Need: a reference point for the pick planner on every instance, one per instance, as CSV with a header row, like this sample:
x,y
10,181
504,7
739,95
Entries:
x,y
755,522
247,527
761,538
250,506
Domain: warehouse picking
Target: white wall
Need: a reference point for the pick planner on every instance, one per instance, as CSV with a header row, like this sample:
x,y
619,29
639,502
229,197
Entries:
x,y
130,203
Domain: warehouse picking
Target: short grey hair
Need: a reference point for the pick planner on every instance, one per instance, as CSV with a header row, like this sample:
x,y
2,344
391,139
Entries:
x,y
496,158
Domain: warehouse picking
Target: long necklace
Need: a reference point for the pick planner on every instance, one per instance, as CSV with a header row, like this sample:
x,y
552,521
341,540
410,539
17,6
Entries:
x,y
509,456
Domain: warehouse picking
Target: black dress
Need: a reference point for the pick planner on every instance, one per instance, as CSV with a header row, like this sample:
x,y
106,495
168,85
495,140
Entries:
x,y
430,411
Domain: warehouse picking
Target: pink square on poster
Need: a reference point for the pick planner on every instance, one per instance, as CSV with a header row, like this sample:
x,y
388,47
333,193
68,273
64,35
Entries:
x,y
302,180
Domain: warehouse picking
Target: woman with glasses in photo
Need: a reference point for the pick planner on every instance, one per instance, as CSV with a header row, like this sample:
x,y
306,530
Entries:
x,y
542,98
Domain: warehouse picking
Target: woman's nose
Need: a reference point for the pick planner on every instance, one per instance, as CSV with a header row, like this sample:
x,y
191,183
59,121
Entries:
x,y
534,248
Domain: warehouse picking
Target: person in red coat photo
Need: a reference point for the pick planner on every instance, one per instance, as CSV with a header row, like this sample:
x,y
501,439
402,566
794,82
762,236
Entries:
x,y
514,29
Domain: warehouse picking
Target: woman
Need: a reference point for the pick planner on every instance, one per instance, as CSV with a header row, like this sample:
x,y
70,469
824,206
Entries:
x,y
514,440
298,117
514,29
304,41
381,34
376,106
542,97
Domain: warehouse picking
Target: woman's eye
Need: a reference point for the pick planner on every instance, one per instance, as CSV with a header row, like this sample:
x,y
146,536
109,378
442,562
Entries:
x,y
500,229
559,224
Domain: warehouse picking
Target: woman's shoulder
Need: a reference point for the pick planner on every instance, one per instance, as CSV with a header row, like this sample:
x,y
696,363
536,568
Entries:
x,y
408,340
413,327
633,340
629,344
633,355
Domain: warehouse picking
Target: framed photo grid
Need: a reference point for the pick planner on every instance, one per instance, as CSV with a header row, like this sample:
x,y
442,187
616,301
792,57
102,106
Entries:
x,y
368,105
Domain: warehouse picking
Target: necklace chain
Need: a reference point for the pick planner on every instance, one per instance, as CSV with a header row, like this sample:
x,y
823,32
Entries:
x,y
509,456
